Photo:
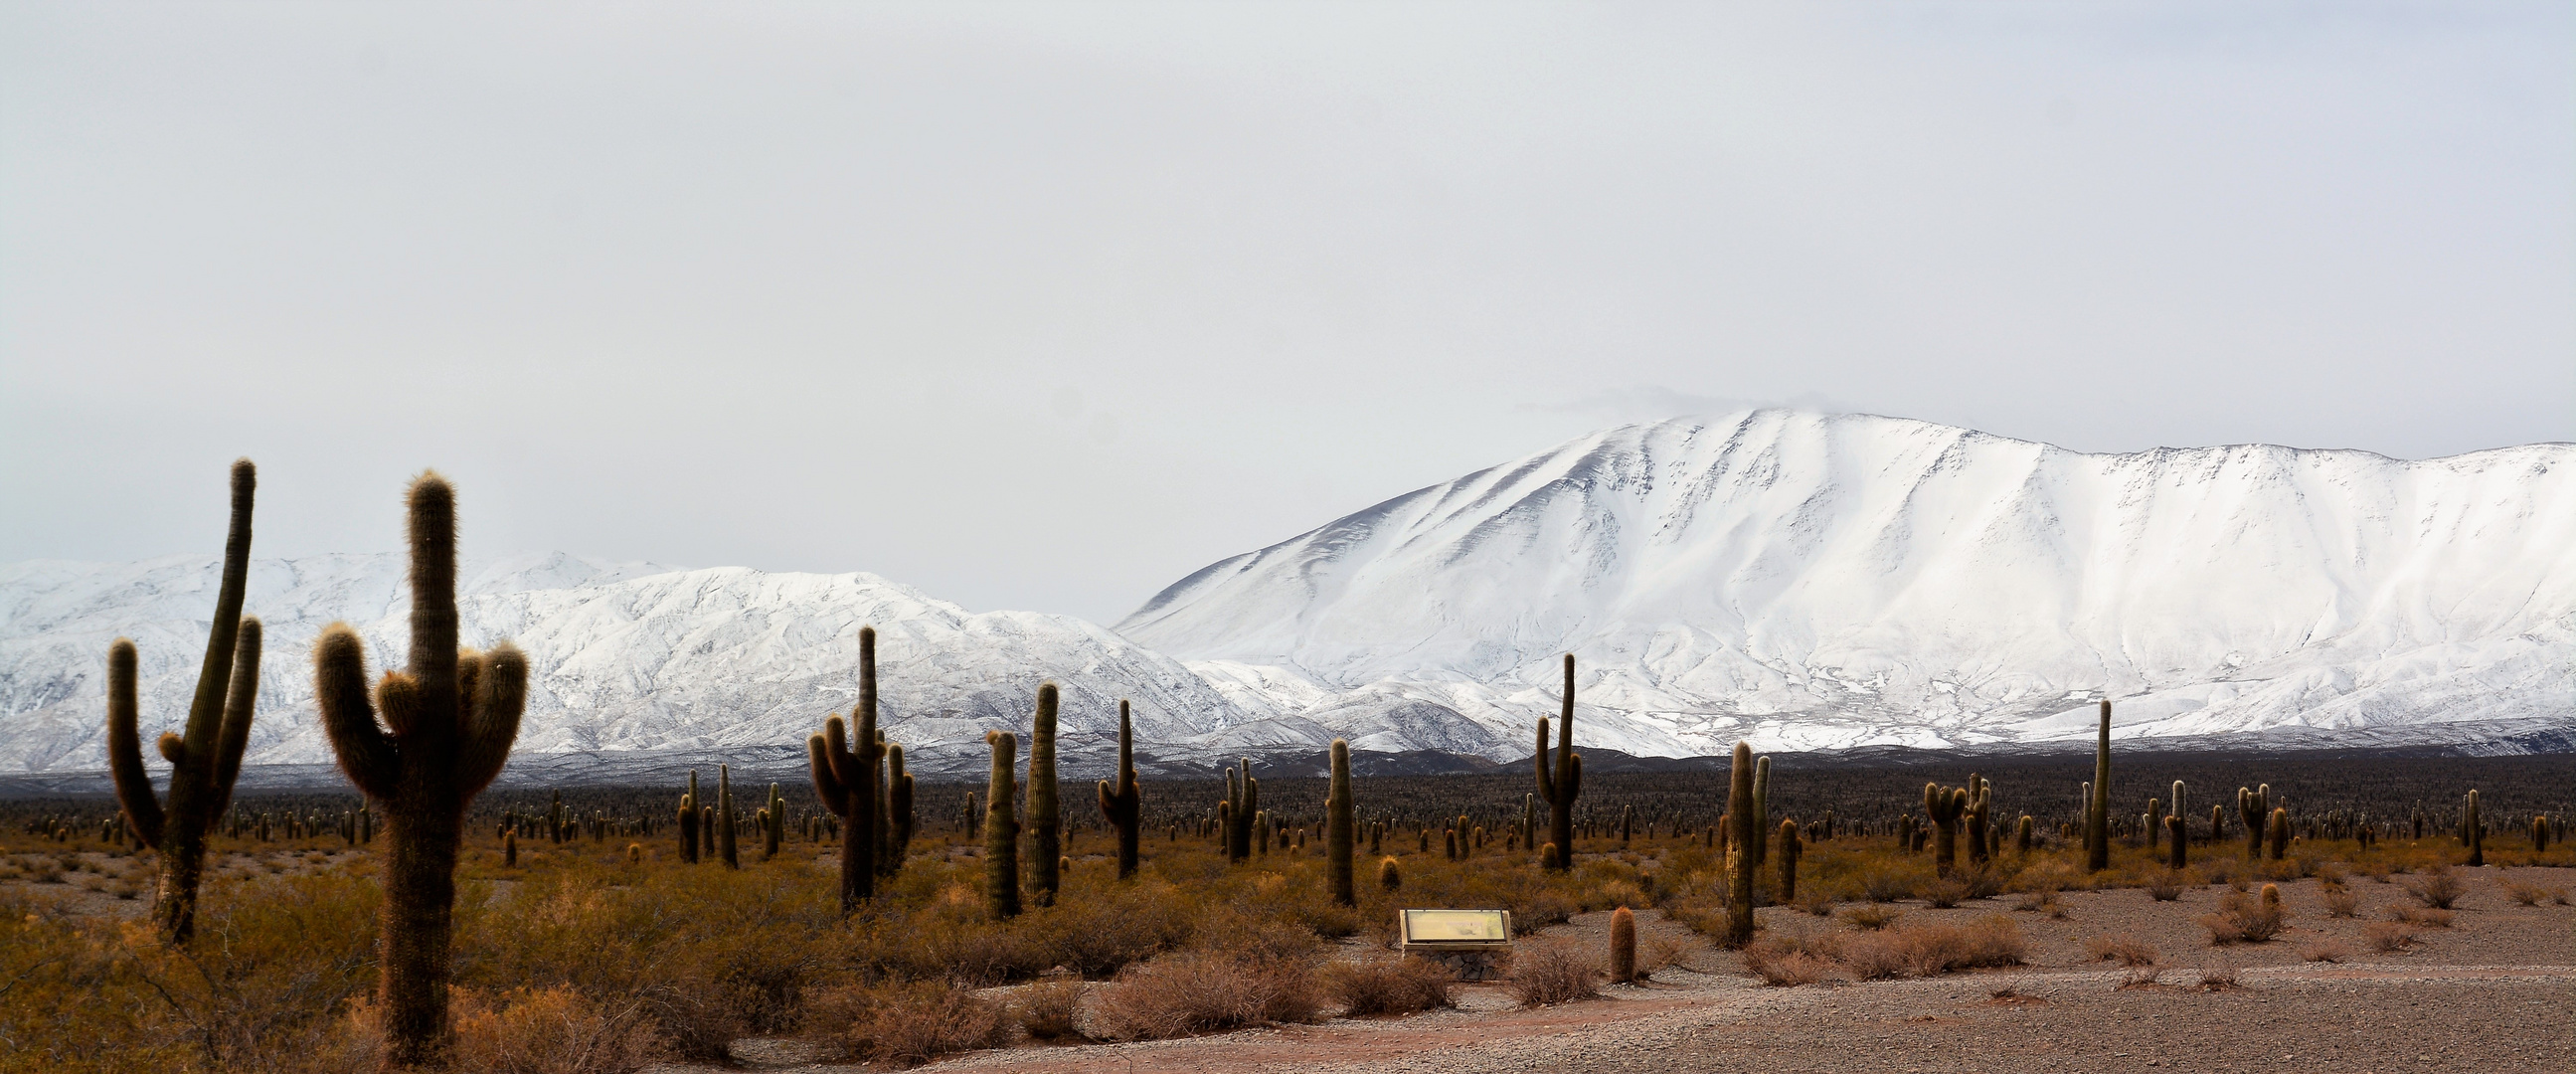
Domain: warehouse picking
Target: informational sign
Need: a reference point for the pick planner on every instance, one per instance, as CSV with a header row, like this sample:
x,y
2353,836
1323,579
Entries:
x,y
1457,929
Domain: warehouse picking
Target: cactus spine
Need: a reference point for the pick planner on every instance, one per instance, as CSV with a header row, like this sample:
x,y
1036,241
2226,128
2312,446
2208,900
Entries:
x,y
205,760
845,778
2254,807
2097,816
724,818
1623,945
1338,834
1045,824
449,722
1740,836
1560,788
1002,829
1123,802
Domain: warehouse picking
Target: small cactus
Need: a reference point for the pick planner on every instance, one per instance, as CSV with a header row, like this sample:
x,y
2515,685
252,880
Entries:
x,y
1389,876
2280,833
634,853
510,849
2021,835
1623,945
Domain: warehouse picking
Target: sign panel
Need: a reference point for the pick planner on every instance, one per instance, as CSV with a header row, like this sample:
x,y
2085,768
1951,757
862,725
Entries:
x,y
1465,928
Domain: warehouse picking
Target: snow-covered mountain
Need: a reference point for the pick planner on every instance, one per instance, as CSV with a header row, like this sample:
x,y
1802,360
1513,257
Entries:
x,y
1802,580
625,657
1815,581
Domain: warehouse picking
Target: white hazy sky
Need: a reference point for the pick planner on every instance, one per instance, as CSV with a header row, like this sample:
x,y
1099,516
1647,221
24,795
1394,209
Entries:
x,y
1047,306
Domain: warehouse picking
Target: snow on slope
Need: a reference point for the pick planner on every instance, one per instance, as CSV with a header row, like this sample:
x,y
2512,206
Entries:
x,y
1816,581
624,656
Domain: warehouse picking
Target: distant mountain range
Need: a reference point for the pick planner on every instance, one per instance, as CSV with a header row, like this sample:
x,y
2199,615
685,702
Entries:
x,y
1806,581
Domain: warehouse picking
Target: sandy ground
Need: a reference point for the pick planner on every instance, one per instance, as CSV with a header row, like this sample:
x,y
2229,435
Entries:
x,y
2496,992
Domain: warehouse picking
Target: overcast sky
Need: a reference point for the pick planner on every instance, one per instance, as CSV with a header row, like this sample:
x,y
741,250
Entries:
x,y
1045,307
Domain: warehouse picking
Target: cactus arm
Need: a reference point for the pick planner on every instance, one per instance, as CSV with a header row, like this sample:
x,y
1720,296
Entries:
x,y
1546,785
125,747
499,695
237,709
214,675
365,752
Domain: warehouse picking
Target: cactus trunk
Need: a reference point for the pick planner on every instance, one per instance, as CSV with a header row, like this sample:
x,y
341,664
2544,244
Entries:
x,y
1002,829
724,818
1046,831
1740,837
2097,818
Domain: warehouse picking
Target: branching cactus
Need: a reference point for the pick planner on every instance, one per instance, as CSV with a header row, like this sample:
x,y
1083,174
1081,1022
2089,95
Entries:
x,y
845,778
2254,808
1002,828
205,760
1123,802
1046,831
1338,836
1242,800
449,721
2097,817
1560,787
1740,838
1980,796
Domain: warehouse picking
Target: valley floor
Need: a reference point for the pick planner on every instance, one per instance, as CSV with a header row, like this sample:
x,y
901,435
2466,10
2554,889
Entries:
x,y
2494,992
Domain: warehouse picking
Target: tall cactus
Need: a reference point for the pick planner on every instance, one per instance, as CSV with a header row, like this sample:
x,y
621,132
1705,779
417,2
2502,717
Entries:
x,y
775,829
1740,837
845,778
1762,810
1046,828
688,819
2280,832
1791,849
2097,817
2254,807
1234,814
204,761
898,813
449,721
1980,796
1002,828
1560,788
1943,805
2475,829
724,818
1338,835
2181,837
1123,802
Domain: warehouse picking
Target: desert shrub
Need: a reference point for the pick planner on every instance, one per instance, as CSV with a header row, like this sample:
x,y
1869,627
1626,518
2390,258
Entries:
x,y
2325,951
2421,917
1790,961
1552,972
1051,1010
2342,902
553,1030
1889,884
2218,978
2326,872
2043,901
1945,892
1815,900
1870,916
2524,894
906,1024
2437,889
1388,986
1929,950
2125,949
2388,937
2166,886
1192,992
2243,919
273,960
